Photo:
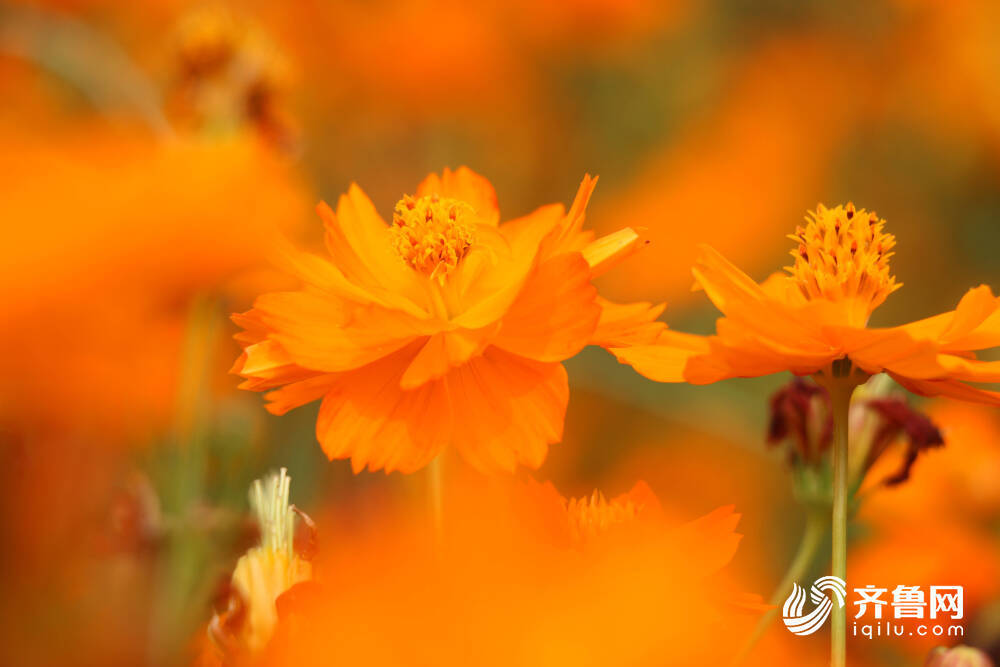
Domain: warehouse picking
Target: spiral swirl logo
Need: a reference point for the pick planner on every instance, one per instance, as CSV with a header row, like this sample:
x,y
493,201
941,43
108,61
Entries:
x,y
802,624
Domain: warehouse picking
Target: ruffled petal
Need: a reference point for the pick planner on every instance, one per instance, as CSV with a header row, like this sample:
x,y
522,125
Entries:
x,y
300,392
668,359
625,324
736,352
878,350
507,409
723,282
323,275
366,417
973,325
442,352
498,410
970,370
266,365
263,364
358,239
498,284
789,327
555,314
322,334
949,389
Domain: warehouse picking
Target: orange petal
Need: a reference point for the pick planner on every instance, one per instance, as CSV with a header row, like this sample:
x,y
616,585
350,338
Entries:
x,y
783,326
300,392
976,306
973,325
570,236
366,417
465,185
878,350
555,314
970,370
320,333
322,274
738,353
668,359
266,365
715,538
627,324
498,410
723,282
496,287
606,252
359,241
507,410
441,353
949,389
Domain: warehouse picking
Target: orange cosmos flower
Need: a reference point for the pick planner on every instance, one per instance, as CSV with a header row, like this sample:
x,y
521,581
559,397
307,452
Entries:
x,y
441,328
816,314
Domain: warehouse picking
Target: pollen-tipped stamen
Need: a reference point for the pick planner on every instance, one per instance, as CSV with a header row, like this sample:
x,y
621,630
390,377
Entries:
x,y
594,515
432,234
843,253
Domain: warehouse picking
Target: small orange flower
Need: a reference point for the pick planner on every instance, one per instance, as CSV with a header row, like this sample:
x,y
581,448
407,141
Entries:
x,y
509,585
441,328
816,314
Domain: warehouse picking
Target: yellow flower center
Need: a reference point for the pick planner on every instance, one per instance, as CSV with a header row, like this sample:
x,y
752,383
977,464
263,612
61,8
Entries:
x,y
843,253
432,234
589,517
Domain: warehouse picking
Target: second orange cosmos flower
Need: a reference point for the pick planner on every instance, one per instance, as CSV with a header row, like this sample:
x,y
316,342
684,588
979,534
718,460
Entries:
x,y
815,316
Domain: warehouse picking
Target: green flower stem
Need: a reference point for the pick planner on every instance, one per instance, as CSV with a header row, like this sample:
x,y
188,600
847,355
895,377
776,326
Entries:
x,y
840,397
812,538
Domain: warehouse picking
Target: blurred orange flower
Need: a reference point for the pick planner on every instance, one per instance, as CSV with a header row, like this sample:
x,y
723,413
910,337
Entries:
x,y
443,328
228,75
100,277
817,315
511,586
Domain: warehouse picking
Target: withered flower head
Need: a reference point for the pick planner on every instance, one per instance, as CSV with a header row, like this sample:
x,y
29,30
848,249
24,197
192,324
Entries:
x,y
899,419
801,416
264,572
800,411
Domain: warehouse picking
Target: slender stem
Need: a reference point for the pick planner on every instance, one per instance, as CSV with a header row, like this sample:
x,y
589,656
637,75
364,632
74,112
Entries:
x,y
812,538
840,397
435,498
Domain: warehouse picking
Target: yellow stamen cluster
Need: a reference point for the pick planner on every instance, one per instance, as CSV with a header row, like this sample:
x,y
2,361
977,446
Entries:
x,y
432,234
843,253
592,516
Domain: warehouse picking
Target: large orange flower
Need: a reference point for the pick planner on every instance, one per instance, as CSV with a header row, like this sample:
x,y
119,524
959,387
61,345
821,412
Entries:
x,y
816,315
441,328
